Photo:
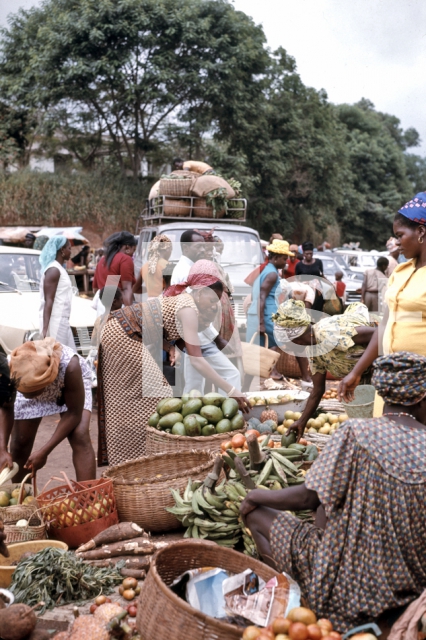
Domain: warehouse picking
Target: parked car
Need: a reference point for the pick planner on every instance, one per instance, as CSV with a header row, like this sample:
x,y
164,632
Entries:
x,y
358,261
20,301
242,253
353,280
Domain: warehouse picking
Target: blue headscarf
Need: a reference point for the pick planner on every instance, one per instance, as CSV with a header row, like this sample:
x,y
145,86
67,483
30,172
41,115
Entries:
x,y
415,209
50,250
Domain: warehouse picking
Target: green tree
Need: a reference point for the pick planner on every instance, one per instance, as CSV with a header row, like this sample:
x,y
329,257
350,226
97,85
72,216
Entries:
x,y
132,68
376,145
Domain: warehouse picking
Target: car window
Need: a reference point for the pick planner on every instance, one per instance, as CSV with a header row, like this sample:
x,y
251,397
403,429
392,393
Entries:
x,y
239,247
367,261
19,271
330,267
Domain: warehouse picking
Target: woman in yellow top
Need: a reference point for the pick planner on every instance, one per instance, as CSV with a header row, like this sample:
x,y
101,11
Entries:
x,y
404,324
159,252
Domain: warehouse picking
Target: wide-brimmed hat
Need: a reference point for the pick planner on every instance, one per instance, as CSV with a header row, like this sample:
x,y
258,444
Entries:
x,y
280,246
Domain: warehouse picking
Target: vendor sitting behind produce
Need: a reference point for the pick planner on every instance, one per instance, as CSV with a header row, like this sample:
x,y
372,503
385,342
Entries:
x,y
334,344
366,554
42,379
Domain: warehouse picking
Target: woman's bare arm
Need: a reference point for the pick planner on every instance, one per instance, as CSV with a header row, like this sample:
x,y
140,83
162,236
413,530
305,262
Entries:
x,y
50,286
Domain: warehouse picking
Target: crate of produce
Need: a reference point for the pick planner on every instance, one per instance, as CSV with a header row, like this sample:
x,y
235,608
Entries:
x,y
178,619
143,487
193,422
75,512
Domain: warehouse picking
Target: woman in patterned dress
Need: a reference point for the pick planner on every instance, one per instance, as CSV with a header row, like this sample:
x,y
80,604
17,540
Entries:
x,y
46,378
366,553
334,344
130,379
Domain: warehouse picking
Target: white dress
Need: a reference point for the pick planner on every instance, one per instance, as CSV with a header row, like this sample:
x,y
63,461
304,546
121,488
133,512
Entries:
x,y
51,401
59,325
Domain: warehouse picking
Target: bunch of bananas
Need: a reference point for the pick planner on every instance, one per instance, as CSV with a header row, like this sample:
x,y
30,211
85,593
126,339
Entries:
x,y
210,513
265,468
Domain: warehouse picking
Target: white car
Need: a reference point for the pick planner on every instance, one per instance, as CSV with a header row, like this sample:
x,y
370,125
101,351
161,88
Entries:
x,y
358,261
20,301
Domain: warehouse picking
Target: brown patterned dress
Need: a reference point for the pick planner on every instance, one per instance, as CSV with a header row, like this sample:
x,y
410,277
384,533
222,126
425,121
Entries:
x,y
371,557
130,381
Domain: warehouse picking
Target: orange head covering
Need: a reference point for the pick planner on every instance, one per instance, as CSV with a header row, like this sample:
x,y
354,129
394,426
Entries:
x,y
35,365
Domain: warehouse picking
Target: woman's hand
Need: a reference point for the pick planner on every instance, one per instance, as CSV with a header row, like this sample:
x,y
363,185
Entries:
x,y
247,506
298,427
172,355
347,387
262,327
243,405
5,460
36,461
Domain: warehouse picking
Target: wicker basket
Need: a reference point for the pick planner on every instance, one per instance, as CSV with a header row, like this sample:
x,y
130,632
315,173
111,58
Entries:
x,y
144,500
179,187
35,530
163,615
288,366
77,511
10,515
203,210
161,442
176,207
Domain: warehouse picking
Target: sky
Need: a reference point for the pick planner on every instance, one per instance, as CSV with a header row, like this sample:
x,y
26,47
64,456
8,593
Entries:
x,y
353,49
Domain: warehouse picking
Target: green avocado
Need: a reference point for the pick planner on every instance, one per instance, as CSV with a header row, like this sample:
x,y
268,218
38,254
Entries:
x,y
167,422
201,421
211,413
237,422
213,399
208,430
286,441
170,406
223,426
192,426
230,408
154,419
160,404
192,406
178,429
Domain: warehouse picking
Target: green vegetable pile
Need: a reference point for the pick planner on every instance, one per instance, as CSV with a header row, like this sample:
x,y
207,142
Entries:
x,y
57,577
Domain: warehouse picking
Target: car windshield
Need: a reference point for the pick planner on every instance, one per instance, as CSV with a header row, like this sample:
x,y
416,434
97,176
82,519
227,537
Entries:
x,y
19,271
330,267
239,247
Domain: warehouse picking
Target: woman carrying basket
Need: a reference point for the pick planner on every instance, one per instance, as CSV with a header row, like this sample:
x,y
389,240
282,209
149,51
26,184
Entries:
x,y
130,378
42,379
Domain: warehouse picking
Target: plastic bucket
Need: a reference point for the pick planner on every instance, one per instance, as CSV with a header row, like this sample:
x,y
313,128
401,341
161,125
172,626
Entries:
x,y
363,404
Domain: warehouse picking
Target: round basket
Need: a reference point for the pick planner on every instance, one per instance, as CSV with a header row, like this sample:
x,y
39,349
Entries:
x,y
203,210
160,441
178,619
176,207
35,530
288,366
142,487
178,187
10,515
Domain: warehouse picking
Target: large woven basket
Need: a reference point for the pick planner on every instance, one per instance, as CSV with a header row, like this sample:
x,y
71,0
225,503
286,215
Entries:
x,y
175,207
10,515
142,487
160,441
178,187
288,366
203,210
163,615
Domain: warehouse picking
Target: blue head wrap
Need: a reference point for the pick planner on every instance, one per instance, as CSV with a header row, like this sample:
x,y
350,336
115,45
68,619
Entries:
x,y
50,250
415,209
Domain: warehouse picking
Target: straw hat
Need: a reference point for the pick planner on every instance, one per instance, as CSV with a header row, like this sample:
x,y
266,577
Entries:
x,y
280,246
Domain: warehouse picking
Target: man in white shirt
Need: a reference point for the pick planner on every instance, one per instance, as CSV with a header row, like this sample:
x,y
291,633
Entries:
x,y
192,247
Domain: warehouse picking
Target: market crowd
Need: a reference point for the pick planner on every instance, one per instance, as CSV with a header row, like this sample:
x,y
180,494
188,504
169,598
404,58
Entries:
x,y
366,553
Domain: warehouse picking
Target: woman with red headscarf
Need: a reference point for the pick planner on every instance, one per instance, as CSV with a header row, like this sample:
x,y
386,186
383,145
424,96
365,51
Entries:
x,y
211,337
131,381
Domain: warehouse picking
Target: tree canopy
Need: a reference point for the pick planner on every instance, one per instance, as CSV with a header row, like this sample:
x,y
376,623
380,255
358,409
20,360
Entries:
x,y
116,82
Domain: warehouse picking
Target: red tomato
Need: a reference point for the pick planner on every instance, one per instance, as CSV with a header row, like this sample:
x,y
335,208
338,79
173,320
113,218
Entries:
x,y
93,608
132,611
